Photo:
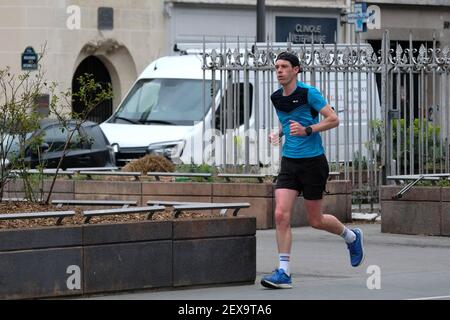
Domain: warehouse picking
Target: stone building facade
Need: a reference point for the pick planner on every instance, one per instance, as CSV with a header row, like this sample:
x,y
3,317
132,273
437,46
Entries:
x,y
424,19
69,29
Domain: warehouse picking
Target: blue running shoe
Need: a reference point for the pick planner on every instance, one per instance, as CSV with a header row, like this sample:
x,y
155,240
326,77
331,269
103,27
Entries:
x,y
356,248
277,280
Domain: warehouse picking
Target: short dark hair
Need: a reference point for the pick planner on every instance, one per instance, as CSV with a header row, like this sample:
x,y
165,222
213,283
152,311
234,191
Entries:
x,y
288,56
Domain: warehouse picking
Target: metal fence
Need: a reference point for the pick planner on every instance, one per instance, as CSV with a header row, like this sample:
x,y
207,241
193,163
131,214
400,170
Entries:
x,y
392,105
416,92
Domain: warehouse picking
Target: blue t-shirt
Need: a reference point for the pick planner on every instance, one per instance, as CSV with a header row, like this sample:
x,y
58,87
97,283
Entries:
x,y
302,106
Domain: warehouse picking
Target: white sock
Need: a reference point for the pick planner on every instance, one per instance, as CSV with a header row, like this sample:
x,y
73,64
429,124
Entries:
x,y
348,235
284,262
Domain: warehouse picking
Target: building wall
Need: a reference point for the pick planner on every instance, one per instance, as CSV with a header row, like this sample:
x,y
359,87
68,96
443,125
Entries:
x,y
270,3
410,2
190,21
137,38
401,20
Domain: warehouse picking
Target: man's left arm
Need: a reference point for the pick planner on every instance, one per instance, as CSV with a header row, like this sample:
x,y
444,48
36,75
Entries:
x,y
329,120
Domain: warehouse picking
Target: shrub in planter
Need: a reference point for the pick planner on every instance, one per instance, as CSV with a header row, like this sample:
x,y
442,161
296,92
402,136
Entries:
x,y
150,163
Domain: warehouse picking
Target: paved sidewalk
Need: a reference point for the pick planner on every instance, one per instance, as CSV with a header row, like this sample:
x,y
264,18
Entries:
x,y
411,267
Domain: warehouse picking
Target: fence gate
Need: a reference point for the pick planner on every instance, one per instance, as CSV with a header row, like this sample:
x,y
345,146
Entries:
x,y
415,97
392,105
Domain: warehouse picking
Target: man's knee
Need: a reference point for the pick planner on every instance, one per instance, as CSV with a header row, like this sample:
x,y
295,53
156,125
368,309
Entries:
x,y
282,217
316,223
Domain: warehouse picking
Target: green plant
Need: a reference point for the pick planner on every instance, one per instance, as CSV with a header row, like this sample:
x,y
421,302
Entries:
x,y
19,116
359,162
430,183
20,120
425,183
425,135
374,145
444,183
194,168
90,94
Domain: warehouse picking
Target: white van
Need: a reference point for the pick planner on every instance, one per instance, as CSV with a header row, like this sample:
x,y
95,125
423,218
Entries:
x,y
162,109
163,113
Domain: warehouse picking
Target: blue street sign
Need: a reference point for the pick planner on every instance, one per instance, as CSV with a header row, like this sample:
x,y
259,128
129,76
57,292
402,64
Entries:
x,y
359,17
29,59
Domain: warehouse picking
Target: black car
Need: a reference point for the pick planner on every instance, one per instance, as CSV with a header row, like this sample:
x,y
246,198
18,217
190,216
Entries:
x,y
89,146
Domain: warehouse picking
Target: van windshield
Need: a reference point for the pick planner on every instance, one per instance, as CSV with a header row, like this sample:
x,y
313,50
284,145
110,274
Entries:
x,y
165,101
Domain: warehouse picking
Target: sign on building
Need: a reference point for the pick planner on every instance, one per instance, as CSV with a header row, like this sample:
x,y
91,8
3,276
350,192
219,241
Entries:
x,y
105,18
304,29
29,59
365,17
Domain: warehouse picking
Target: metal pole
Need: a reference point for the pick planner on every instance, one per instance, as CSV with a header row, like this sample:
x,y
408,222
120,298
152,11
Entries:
x,y
411,106
386,154
260,20
204,100
246,109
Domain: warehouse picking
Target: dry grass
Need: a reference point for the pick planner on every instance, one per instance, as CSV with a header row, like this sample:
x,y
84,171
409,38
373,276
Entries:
x,y
150,163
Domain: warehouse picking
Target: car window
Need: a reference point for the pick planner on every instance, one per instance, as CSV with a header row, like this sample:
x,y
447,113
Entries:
x,y
95,136
56,137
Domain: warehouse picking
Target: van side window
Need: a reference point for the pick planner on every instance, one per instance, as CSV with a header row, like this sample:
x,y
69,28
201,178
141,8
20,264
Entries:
x,y
231,113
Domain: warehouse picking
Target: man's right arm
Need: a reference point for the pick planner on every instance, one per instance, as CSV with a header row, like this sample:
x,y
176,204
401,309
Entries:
x,y
274,137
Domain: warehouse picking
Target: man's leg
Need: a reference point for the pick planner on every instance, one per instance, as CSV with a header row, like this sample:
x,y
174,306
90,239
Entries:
x,y
321,221
285,201
284,205
327,222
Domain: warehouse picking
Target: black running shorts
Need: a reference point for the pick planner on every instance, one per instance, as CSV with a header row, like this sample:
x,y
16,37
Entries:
x,y
308,176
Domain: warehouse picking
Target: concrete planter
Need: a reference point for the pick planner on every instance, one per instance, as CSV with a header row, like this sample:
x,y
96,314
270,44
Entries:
x,y
34,262
108,190
176,191
337,200
445,227
260,197
80,260
214,251
63,189
422,210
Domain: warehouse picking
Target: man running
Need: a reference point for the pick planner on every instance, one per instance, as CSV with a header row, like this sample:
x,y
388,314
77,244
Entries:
x,y
304,167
